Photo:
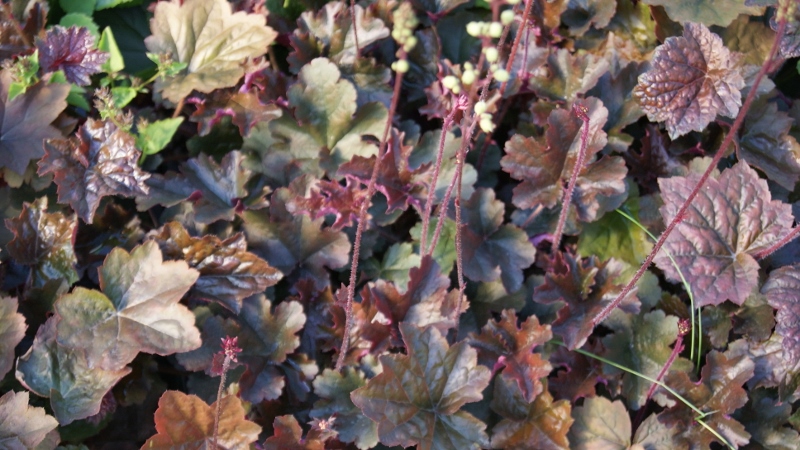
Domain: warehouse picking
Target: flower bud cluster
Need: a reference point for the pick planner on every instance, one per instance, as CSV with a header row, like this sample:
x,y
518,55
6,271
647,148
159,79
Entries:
x,y
403,33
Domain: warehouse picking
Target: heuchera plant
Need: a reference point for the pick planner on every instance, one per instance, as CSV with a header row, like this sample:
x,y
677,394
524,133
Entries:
x,y
452,224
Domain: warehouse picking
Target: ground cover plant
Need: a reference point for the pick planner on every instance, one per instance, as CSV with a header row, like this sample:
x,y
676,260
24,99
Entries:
x,y
451,224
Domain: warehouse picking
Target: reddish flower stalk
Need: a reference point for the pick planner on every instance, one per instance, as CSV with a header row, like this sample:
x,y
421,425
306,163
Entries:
x,y
230,348
711,167
581,112
777,246
355,26
362,218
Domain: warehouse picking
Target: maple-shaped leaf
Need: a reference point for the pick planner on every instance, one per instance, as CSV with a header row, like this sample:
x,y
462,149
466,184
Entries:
x,y
781,290
417,398
398,181
545,166
708,12
330,32
289,436
210,39
294,243
493,250
583,14
333,389
600,424
101,161
45,242
422,159
732,218
228,272
187,422
426,302
566,75
503,343
138,309
587,286
640,343
216,190
71,50
330,197
653,434
540,425
693,78
765,143
267,339
245,109
12,330
25,121
772,367
63,374
371,331
21,425
327,128
395,265
719,393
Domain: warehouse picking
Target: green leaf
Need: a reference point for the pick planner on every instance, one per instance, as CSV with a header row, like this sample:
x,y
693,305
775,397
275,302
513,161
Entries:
x,y
115,62
75,387
208,37
154,136
395,266
333,389
568,75
138,309
12,330
105,4
417,398
708,12
131,26
21,425
641,343
445,252
81,20
78,6
122,95
600,425
44,241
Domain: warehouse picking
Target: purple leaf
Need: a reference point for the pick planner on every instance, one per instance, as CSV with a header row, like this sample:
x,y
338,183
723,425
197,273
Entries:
x,y
71,50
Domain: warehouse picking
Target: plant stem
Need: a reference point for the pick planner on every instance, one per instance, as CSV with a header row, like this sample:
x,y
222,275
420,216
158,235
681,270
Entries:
x,y
355,26
362,218
714,162
459,260
512,55
573,179
16,25
226,364
426,216
776,246
178,108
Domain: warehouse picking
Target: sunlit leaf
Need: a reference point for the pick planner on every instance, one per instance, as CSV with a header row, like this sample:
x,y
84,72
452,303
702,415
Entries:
x,y
12,330
138,309
600,425
289,436
693,78
71,50
101,161
543,426
187,422
21,425
731,218
208,37
708,12
228,272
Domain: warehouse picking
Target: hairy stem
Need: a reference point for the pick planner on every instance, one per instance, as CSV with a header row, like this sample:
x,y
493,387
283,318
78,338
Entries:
x,y
226,364
573,179
776,246
362,218
513,54
426,216
459,254
715,161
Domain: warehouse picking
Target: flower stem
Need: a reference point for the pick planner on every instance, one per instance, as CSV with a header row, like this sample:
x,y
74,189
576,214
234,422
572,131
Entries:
x,y
581,112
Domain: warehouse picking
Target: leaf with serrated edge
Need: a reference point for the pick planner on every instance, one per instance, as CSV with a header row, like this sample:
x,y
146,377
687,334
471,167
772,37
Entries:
x,y
210,39
693,78
600,425
782,289
22,426
26,121
186,421
417,398
101,161
48,369
138,309
731,218
228,272
334,390
12,330
709,12
71,50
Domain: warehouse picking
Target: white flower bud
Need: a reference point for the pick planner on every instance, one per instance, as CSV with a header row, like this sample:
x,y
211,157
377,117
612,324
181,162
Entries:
x,y
480,108
501,75
474,29
468,77
495,29
507,16
491,54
